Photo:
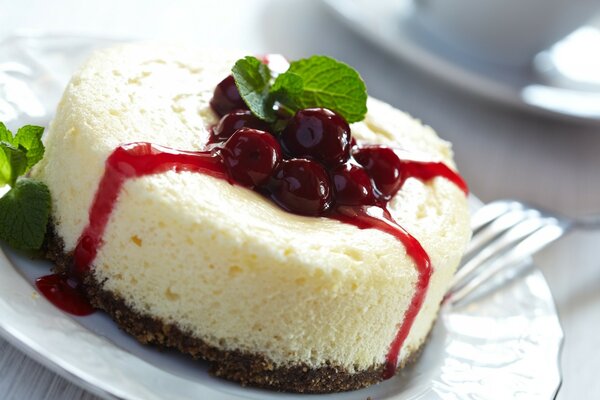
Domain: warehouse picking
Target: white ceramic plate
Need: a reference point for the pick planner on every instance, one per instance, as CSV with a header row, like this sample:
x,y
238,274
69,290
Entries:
x,y
394,26
504,344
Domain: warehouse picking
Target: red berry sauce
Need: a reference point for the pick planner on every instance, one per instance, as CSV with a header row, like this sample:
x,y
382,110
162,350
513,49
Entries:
x,y
132,161
65,293
379,218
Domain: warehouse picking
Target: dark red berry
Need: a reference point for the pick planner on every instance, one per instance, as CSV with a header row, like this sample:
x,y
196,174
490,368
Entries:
x,y
352,185
383,166
301,186
226,97
233,121
318,134
251,156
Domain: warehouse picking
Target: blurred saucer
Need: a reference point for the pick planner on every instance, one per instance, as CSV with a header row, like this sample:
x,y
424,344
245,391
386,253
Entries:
x,y
562,81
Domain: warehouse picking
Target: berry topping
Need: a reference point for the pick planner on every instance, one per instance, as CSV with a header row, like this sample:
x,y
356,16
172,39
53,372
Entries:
x,y
301,186
251,156
233,121
318,134
226,97
352,185
383,166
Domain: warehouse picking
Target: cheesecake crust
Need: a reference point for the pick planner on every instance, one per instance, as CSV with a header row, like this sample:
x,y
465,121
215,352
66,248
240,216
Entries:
x,y
248,369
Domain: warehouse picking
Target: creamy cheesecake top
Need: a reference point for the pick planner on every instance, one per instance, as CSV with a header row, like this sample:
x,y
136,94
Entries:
x,y
221,261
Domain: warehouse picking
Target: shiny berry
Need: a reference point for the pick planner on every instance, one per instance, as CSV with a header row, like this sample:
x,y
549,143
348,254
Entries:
x,y
233,121
226,97
352,185
301,186
318,134
251,156
383,166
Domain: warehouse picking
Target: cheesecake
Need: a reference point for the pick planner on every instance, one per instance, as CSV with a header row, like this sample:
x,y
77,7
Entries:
x,y
191,256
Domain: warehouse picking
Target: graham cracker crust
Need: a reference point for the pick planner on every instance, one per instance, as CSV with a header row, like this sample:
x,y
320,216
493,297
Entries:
x,y
248,369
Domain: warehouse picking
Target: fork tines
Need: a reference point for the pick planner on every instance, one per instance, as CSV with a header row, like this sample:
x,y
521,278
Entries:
x,y
505,235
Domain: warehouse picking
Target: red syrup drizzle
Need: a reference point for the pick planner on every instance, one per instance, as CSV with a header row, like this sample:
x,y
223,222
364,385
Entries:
x,y
133,161
425,171
126,162
378,217
140,159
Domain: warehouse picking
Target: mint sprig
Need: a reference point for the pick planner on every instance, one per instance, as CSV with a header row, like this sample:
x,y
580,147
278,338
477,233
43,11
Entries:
x,y
317,81
24,213
30,138
13,163
25,208
253,81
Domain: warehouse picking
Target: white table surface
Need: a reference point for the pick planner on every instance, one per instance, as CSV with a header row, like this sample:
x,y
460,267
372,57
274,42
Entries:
x,y
501,152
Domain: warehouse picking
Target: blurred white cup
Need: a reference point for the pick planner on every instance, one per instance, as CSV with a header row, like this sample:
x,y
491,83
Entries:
x,y
509,32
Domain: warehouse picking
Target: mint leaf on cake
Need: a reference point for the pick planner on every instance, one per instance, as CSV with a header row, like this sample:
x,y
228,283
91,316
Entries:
x,y
287,88
25,208
252,78
329,83
317,81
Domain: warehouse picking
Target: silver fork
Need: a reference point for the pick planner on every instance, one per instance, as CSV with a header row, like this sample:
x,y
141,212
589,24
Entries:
x,y
505,234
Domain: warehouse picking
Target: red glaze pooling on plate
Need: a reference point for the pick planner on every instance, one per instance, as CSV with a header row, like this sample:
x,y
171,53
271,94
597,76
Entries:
x,y
65,294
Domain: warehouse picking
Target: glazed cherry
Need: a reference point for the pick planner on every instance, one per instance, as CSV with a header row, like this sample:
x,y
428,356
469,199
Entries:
x,y
318,134
226,97
383,166
301,186
352,185
251,156
233,121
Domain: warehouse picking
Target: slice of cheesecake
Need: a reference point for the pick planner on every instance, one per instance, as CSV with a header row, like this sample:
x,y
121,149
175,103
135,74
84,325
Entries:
x,y
218,271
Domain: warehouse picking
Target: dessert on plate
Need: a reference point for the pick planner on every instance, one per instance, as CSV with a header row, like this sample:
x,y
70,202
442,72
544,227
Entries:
x,y
289,248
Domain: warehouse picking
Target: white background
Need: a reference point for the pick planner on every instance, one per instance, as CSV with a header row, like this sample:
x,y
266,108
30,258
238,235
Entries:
x,y
501,152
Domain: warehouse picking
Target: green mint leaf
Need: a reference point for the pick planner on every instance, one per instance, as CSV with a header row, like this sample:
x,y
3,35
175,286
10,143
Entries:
x,y
13,163
19,153
24,213
330,84
5,134
25,208
318,81
30,137
286,88
253,80
289,82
